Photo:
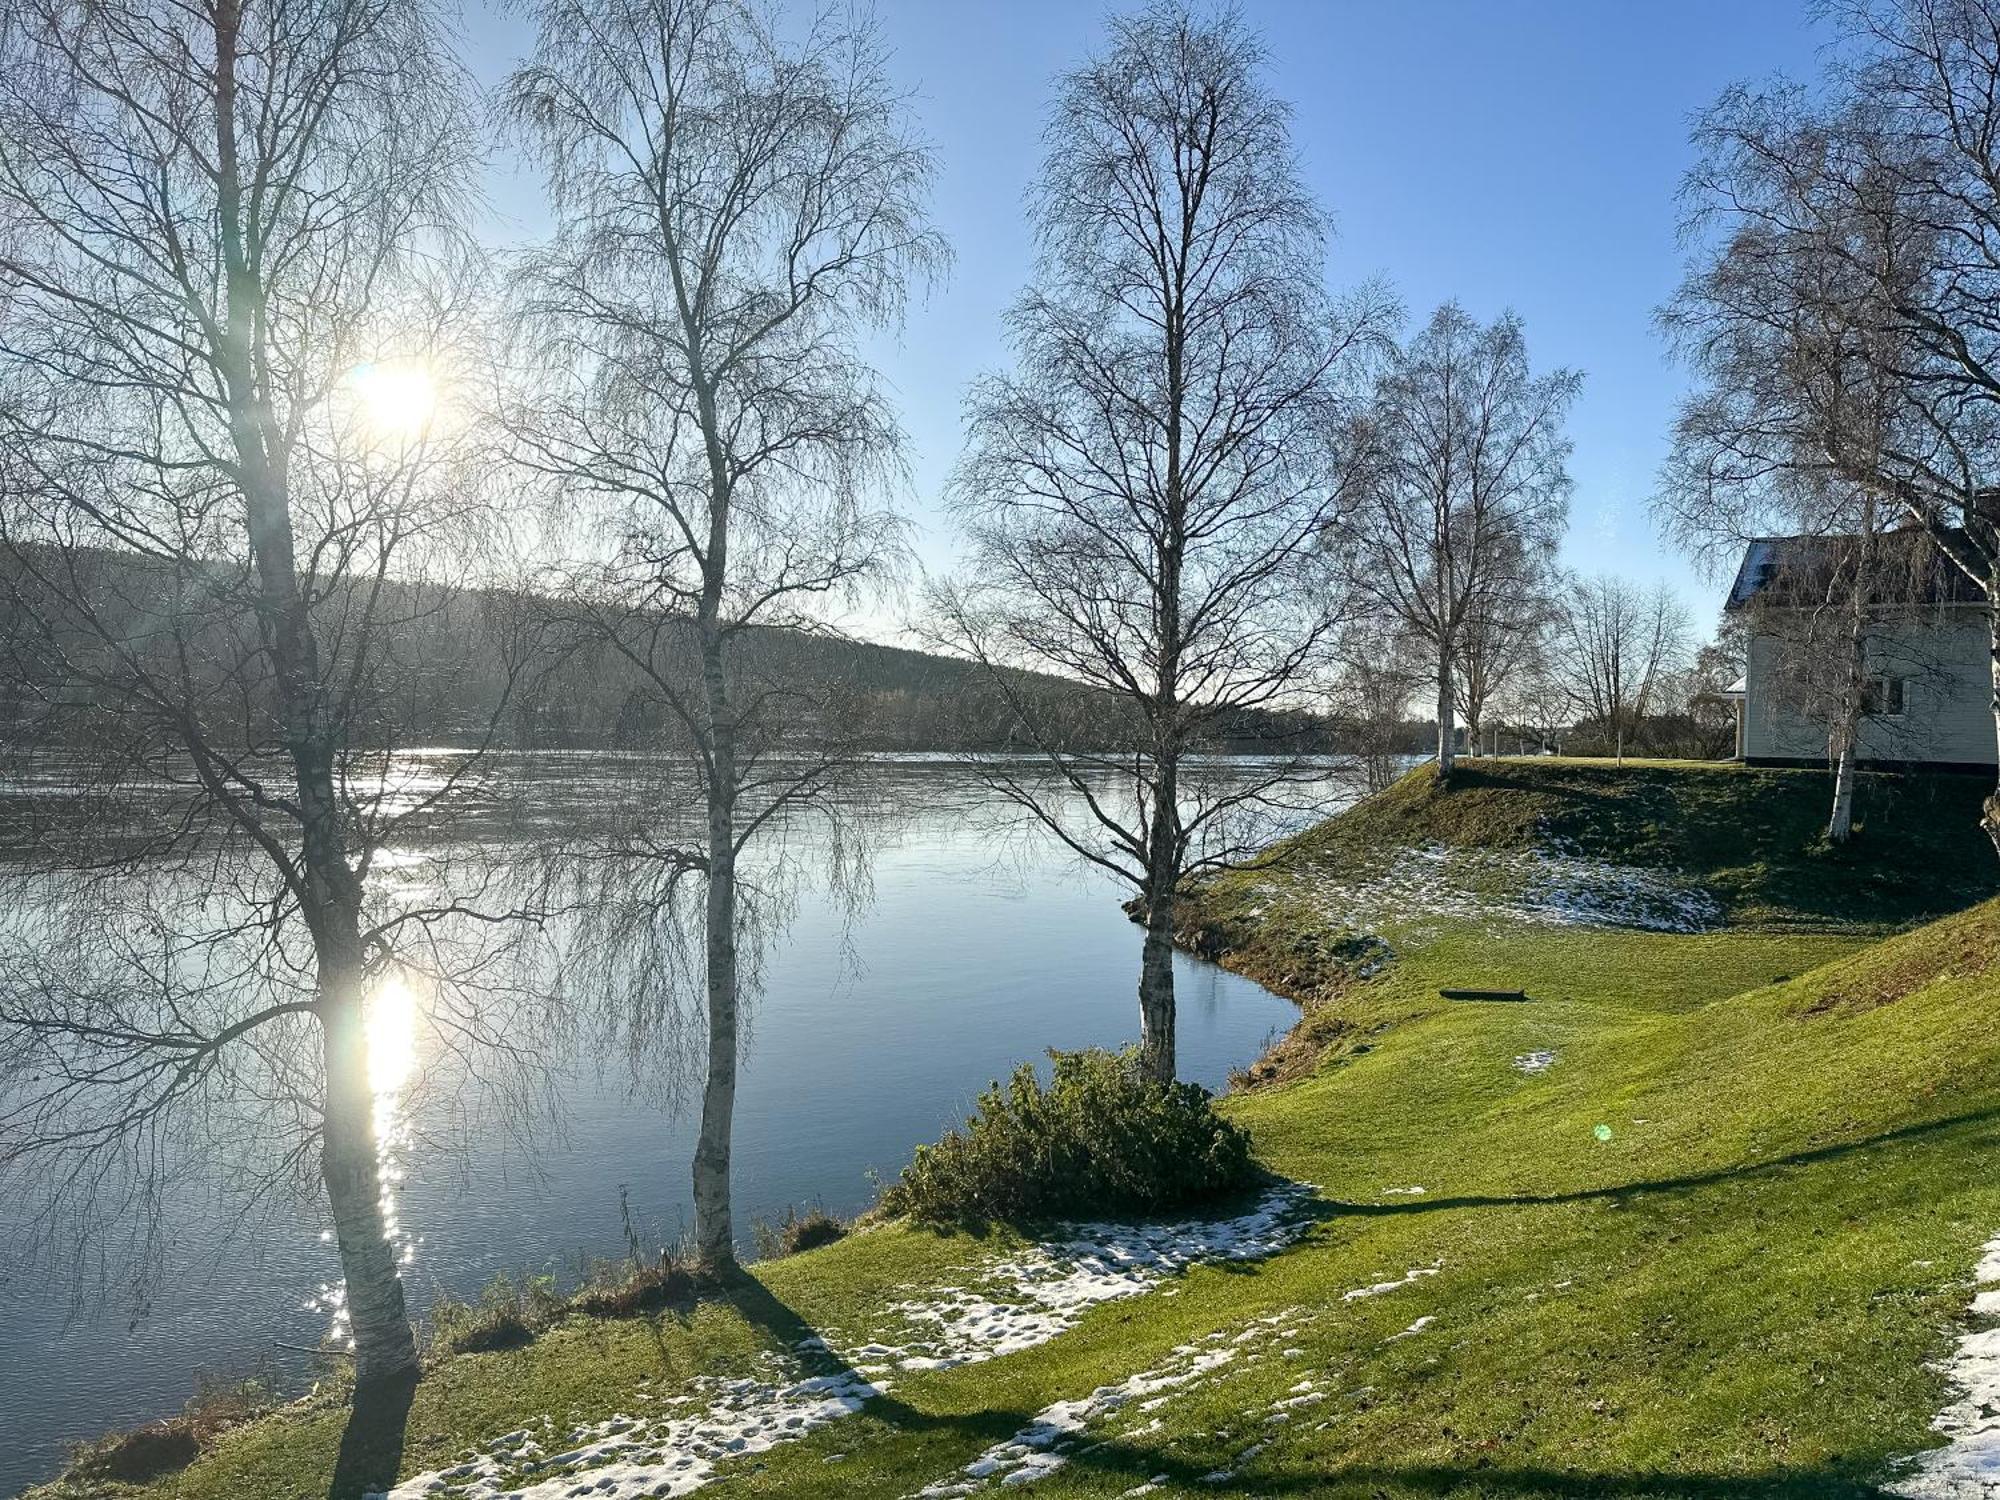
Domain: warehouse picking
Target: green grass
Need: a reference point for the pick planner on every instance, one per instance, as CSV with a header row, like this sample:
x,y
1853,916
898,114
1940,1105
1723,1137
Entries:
x,y
1739,1293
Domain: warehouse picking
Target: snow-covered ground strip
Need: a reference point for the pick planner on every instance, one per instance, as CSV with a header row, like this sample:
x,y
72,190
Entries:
x,y
627,1457
1549,886
1031,1297
1037,1449
1967,1467
1023,1301
1415,1273
1060,1430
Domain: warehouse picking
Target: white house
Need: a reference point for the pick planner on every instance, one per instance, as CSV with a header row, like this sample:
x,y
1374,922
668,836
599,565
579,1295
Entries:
x,y
1929,690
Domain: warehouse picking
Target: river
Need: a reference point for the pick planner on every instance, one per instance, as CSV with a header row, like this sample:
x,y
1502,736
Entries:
x,y
875,1028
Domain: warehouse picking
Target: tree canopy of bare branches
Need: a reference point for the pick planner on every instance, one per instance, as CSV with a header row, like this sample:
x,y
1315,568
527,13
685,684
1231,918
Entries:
x,y
1143,493
1842,303
211,217
737,211
1612,649
1456,511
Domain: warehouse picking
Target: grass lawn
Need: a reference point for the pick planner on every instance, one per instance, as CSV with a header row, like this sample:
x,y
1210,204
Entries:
x,y
1711,1249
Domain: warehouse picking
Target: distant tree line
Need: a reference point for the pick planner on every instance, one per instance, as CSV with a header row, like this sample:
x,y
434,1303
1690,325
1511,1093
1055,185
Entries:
x,y
514,670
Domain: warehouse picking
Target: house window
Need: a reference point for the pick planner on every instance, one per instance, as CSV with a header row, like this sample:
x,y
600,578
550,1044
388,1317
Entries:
x,y
1882,698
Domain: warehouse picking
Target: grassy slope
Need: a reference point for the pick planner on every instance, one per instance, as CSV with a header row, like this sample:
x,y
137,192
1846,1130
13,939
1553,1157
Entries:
x,y
1754,837
1736,1294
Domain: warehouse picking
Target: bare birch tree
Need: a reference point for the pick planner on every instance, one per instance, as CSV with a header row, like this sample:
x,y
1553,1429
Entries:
x,y
737,212
1143,495
1375,676
1464,496
211,216
1843,595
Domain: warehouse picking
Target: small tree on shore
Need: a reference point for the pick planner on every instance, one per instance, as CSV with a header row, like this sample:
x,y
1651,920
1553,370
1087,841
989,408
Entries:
x,y
737,212
216,524
1144,494
1463,496
1500,646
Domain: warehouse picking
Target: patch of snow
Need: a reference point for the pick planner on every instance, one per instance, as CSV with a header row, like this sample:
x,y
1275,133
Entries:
x,y
626,1458
1034,1296
1550,886
1967,1467
1535,1062
1032,1453
1381,1287
1042,1447
1403,1192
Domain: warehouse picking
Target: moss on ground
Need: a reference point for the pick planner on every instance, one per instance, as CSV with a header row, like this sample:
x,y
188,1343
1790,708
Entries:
x,y
1738,1286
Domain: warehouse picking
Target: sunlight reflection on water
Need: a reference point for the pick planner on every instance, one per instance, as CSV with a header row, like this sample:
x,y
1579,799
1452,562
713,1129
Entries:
x,y
872,1031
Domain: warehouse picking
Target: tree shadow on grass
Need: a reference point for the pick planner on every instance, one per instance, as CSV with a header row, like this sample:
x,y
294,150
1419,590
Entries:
x,y
1328,1209
371,1445
1130,1462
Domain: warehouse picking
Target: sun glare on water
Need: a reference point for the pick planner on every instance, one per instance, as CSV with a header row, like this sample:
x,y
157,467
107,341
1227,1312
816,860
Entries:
x,y
392,1036
396,399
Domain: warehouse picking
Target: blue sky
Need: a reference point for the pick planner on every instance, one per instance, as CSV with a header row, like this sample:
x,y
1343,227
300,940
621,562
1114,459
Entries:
x,y
1520,155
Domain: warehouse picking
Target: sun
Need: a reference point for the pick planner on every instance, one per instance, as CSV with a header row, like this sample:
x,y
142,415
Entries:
x,y
391,1024
396,399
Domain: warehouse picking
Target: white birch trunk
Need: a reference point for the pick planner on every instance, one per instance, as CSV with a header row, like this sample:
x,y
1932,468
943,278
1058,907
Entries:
x,y
1447,729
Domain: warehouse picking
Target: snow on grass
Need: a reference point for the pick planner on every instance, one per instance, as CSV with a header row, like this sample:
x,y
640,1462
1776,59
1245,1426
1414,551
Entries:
x,y
1036,1450
1967,1467
1382,1288
626,1457
1539,1061
1548,886
1046,1443
1027,1299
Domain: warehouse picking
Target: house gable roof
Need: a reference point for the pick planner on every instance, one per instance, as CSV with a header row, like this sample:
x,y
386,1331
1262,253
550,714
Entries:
x,y
1797,572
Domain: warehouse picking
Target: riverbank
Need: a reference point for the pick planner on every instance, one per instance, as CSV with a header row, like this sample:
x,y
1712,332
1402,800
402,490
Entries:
x,y
873,1032
1699,1218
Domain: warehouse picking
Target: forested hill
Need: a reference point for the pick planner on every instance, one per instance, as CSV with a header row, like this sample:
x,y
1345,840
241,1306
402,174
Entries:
x,y
447,665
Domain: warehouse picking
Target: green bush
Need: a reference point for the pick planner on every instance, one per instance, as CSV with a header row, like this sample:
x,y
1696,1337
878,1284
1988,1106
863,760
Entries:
x,y
1099,1137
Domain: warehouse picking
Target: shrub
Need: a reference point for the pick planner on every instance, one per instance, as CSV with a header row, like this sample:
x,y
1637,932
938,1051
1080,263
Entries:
x,y
798,1232
142,1454
625,1289
508,1314
169,1445
1099,1136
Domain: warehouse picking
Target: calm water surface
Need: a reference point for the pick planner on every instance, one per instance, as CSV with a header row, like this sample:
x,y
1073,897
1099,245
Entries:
x,y
873,1033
